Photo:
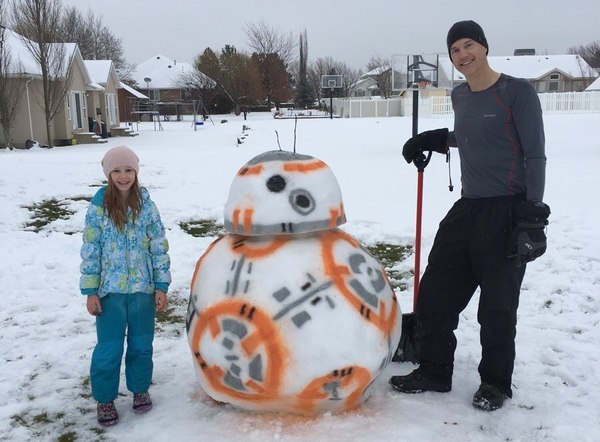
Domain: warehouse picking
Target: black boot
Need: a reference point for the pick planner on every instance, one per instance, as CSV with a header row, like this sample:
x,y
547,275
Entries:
x,y
488,397
416,382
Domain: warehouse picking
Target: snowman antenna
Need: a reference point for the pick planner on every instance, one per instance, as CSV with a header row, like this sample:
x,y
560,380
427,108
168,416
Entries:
x,y
277,134
295,126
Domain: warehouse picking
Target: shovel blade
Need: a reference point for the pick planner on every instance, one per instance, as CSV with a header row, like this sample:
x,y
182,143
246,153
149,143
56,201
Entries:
x,y
408,348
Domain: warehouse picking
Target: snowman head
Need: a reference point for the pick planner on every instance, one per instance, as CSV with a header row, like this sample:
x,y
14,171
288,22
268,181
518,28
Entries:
x,y
279,192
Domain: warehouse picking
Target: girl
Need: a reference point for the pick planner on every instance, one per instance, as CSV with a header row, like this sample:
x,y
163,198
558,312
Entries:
x,y
125,276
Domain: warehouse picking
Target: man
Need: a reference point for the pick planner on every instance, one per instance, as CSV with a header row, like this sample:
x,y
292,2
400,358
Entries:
x,y
491,231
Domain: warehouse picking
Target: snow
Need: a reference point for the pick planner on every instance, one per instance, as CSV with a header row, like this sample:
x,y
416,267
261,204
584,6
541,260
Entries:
x,y
47,336
163,72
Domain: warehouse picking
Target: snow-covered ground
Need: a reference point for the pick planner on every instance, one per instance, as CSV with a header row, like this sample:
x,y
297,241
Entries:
x,y
46,336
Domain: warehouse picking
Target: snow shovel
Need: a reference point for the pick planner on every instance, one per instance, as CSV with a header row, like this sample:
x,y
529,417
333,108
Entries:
x,y
408,348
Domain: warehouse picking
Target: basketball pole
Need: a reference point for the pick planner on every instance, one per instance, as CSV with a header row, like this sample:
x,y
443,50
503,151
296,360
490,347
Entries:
x,y
331,103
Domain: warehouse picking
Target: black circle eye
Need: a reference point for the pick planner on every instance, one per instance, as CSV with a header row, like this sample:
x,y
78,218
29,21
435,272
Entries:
x,y
302,201
276,183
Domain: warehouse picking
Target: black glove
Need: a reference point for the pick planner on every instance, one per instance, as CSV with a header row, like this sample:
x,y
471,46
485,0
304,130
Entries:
x,y
528,239
436,140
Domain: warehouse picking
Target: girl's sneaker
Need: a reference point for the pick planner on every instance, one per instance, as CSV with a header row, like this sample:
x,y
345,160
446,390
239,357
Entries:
x,y
142,402
107,414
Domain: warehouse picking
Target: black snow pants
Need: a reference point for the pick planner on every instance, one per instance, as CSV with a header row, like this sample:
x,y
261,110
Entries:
x,y
469,251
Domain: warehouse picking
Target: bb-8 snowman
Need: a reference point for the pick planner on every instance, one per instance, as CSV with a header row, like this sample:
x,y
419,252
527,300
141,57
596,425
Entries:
x,y
287,312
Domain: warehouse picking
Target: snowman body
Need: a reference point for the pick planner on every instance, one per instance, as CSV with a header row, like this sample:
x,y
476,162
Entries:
x,y
287,312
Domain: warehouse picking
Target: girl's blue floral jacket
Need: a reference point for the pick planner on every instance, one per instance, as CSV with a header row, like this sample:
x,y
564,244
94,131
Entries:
x,y
133,261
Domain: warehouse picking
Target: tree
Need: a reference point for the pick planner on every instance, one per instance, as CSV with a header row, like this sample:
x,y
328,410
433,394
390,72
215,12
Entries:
x,y
590,53
273,54
328,66
240,77
274,77
382,68
236,77
11,88
305,95
38,22
95,41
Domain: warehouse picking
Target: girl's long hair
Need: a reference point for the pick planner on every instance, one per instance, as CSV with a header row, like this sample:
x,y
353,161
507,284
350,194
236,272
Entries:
x,y
116,207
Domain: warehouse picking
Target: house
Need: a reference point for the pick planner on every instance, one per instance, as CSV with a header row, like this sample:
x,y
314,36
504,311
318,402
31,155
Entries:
x,y
167,84
83,96
368,84
127,97
102,104
547,73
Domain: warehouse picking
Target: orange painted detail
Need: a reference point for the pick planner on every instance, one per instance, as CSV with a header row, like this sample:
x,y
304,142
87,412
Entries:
x,y
257,249
350,384
263,338
303,166
339,274
248,221
235,219
333,216
251,170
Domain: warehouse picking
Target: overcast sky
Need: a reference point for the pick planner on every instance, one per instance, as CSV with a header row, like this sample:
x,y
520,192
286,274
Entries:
x,y
347,30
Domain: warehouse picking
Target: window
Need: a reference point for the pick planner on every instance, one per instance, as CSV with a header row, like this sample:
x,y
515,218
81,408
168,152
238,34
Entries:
x,y
554,83
154,94
76,108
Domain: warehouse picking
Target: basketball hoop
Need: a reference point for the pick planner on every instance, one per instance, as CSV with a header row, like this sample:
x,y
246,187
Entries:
x,y
423,84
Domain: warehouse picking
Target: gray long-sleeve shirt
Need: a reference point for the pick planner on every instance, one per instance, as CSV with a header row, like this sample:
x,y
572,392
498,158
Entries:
x,y
499,133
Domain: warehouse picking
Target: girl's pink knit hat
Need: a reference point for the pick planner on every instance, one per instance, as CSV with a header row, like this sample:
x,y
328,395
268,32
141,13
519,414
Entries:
x,y
120,156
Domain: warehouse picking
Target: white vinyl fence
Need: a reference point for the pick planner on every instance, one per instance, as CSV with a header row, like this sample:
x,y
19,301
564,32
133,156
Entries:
x,y
435,106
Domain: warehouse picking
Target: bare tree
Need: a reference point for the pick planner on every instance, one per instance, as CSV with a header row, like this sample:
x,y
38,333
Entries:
x,y
38,22
382,73
263,39
273,55
95,40
11,87
328,66
590,53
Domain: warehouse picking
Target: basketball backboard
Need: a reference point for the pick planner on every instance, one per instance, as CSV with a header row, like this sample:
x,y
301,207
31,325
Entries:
x,y
331,81
410,70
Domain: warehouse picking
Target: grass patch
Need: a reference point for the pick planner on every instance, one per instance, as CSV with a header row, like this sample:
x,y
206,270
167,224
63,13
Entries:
x,y
174,315
389,255
202,228
71,436
46,212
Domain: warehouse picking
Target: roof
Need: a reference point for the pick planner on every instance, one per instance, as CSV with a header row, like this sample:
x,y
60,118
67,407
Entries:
x,y
99,70
531,67
595,86
132,91
23,63
163,72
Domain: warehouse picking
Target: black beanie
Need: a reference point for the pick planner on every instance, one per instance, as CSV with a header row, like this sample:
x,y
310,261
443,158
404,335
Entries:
x,y
466,29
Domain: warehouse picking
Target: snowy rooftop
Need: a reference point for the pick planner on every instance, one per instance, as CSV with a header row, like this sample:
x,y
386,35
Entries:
x,y
22,61
99,70
163,72
132,91
595,86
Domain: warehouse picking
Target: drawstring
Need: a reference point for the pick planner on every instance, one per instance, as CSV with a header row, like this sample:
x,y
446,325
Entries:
x,y
450,186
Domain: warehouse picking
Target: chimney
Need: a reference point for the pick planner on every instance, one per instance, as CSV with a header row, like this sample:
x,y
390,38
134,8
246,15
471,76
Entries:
x,y
524,52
